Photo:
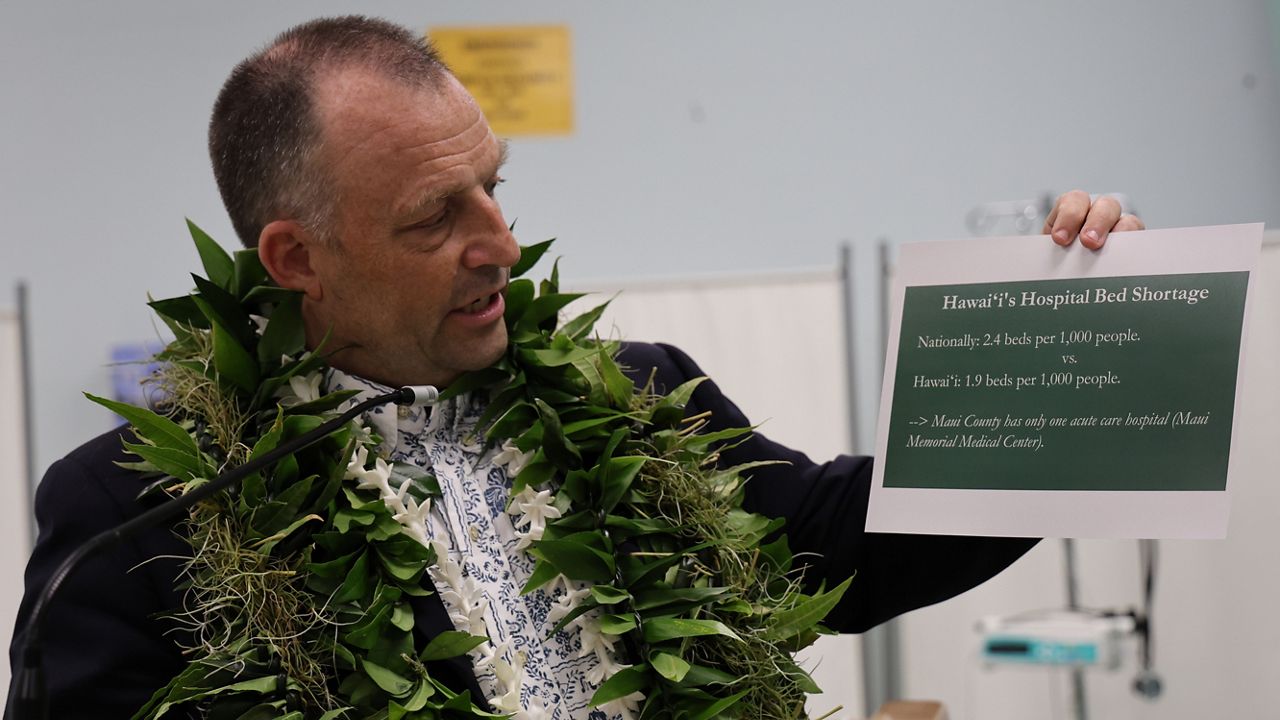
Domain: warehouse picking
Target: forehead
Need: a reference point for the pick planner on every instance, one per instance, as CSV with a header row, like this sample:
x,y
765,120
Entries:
x,y
370,122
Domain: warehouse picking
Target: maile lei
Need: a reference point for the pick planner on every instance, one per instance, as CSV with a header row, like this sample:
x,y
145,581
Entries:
x,y
298,583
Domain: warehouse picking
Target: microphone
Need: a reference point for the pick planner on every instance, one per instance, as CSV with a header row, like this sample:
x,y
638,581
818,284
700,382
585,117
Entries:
x,y
28,698
422,395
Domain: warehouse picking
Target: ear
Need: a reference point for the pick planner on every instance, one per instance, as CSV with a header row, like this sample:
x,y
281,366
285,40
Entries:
x,y
286,251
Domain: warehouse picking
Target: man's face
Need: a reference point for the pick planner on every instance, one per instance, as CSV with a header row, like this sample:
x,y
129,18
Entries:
x,y
413,292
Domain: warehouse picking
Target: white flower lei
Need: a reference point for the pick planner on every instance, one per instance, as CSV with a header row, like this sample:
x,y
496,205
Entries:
x,y
466,603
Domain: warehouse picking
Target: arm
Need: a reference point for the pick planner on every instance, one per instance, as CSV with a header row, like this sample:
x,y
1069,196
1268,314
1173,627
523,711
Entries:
x,y
825,506
104,651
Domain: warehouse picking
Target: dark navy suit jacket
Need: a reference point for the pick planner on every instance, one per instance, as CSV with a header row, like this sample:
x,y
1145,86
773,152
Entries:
x,y
106,648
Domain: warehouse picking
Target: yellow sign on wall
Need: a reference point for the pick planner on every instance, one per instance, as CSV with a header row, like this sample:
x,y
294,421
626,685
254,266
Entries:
x,y
520,75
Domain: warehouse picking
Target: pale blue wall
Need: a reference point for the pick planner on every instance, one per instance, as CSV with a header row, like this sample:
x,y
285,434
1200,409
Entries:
x,y
715,136
712,136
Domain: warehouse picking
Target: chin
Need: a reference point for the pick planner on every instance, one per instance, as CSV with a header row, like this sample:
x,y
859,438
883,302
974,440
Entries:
x,y
488,352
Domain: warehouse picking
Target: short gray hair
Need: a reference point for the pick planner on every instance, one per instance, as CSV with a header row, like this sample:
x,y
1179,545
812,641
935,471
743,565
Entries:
x,y
264,137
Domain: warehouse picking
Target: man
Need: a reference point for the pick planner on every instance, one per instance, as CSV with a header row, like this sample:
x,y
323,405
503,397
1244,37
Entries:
x,y
365,175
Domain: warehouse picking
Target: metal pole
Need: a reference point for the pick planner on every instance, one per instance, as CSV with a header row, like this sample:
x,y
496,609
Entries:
x,y
883,289
28,413
850,352
881,656
1079,706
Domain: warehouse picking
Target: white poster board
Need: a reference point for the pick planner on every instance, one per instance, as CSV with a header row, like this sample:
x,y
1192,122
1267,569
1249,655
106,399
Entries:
x,y
1215,620
775,346
1078,345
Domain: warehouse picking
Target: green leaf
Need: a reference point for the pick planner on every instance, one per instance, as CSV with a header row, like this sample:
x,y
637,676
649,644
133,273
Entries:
x,y
171,462
356,583
529,256
609,595
670,410
620,387
222,307
263,294
419,699
544,308
249,272
393,683
558,448
557,357
700,675
619,473
703,440
717,707
284,334
577,561
639,574
451,643
155,429
477,380
669,666
615,624
681,395
623,683
657,630
580,326
402,617
366,634
233,362
551,285
543,573
519,295
269,544
661,596
217,263
182,309
791,622
778,555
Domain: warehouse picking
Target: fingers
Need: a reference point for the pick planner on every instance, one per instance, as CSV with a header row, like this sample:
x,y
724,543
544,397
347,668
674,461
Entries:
x,y
1129,222
1102,217
1092,221
1068,216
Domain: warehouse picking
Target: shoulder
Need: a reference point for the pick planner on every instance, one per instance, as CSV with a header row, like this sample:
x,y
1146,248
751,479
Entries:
x,y
91,474
668,364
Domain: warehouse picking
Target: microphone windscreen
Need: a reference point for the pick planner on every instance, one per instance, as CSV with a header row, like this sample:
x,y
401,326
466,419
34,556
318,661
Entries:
x,y
423,395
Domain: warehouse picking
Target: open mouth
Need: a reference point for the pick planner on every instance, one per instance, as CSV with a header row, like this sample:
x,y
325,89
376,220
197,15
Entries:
x,y
480,304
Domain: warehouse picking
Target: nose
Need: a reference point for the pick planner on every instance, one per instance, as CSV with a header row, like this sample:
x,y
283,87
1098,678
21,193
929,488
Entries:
x,y
491,242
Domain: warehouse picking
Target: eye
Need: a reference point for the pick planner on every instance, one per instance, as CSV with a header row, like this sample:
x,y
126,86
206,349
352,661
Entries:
x,y
491,187
436,219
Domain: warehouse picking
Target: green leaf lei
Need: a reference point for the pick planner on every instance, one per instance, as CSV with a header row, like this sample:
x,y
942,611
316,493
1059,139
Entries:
x,y
297,587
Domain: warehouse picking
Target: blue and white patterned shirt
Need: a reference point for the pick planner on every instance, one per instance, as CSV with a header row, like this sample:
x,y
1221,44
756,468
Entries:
x,y
560,671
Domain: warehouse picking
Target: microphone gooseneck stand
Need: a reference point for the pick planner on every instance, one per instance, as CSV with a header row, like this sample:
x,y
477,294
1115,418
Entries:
x,y
28,700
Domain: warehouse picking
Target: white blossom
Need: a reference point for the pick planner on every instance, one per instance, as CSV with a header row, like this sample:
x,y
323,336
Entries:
x,y
404,508
302,389
594,641
510,458
626,706
536,710
534,508
461,594
567,603
259,323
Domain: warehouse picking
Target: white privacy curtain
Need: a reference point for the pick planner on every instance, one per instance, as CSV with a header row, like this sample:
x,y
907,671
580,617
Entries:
x,y
15,493
775,345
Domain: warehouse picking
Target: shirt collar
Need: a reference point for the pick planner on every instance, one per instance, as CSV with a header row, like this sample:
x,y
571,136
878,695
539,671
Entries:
x,y
389,421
